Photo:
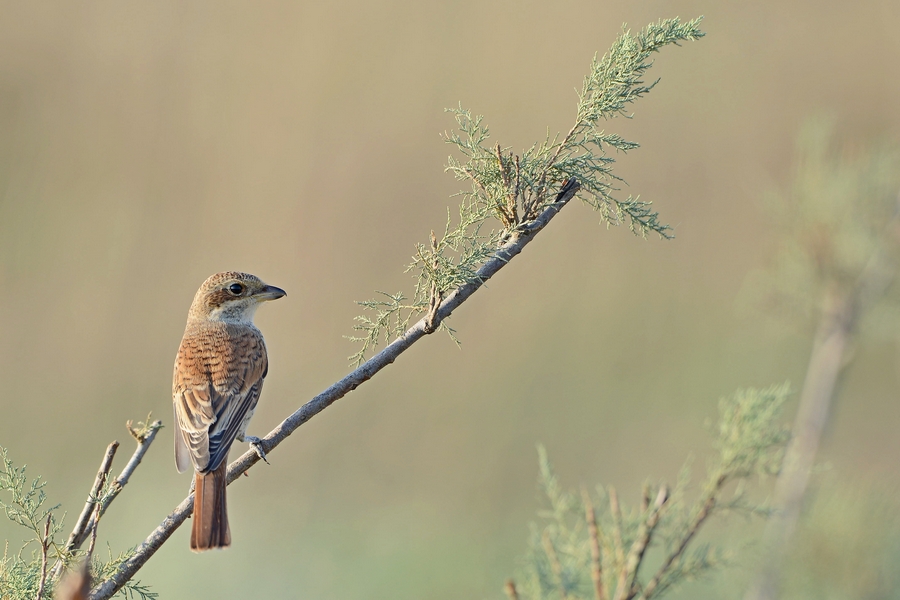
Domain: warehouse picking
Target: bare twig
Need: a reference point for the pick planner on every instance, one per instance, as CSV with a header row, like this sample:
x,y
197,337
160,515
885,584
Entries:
x,y
673,556
555,565
45,546
76,584
80,532
144,437
639,547
513,246
538,190
645,497
87,520
432,322
619,545
96,521
510,589
596,557
510,213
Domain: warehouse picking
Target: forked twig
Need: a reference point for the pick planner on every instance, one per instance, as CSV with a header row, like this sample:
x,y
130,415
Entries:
x,y
639,547
673,556
144,437
80,531
86,525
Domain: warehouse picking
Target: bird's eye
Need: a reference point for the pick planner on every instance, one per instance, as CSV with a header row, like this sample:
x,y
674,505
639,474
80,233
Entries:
x,y
236,289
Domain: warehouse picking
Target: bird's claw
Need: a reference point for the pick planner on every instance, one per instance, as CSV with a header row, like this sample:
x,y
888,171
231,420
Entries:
x,y
256,444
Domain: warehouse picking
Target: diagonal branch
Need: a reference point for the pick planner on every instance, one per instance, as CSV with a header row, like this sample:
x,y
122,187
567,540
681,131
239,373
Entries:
x,y
596,556
81,530
645,534
555,565
520,238
705,510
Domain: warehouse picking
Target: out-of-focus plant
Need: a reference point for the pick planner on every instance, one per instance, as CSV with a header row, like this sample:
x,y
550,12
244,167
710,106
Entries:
x,y
593,546
511,190
847,545
836,266
836,223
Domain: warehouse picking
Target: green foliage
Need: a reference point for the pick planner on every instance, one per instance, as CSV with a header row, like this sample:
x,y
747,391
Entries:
x,y
512,190
102,570
837,225
847,546
592,546
24,503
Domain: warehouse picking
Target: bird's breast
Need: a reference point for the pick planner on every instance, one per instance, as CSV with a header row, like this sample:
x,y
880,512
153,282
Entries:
x,y
224,355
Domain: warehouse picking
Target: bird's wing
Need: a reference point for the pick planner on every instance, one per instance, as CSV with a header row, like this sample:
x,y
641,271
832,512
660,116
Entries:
x,y
193,415
218,378
182,455
228,423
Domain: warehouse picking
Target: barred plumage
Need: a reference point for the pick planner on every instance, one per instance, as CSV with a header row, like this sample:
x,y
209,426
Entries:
x,y
219,373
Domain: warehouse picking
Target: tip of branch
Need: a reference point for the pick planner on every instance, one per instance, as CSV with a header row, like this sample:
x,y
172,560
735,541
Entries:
x,y
662,496
143,428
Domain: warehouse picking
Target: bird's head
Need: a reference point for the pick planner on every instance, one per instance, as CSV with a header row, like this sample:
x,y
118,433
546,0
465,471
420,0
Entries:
x,y
232,297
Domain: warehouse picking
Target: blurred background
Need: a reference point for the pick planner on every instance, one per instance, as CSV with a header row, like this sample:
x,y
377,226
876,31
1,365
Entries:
x,y
147,146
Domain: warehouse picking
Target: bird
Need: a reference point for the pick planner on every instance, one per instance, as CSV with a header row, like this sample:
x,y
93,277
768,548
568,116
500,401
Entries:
x,y
219,372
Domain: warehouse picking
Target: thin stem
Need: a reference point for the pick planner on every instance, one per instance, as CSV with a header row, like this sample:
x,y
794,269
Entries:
x,y
594,535
673,556
96,521
538,193
645,534
144,439
79,533
616,511
645,498
555,565
45,545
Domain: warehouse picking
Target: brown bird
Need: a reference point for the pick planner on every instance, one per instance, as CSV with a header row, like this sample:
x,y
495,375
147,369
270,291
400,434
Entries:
x,y
219,374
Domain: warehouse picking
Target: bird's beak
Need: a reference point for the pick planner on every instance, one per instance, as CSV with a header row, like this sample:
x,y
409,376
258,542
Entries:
x,y
270,292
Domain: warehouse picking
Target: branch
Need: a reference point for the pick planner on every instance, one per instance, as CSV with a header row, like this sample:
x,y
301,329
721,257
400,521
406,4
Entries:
x,y
144,438
520,238
76,585
701,516
80,532
45,545
555,565
596,557
96,521
618,545
645,534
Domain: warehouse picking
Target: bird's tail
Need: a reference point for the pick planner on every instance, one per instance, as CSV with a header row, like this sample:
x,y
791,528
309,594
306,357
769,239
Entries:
x,y
210,527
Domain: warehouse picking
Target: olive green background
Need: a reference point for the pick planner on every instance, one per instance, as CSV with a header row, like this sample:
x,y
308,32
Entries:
x,y
145,146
